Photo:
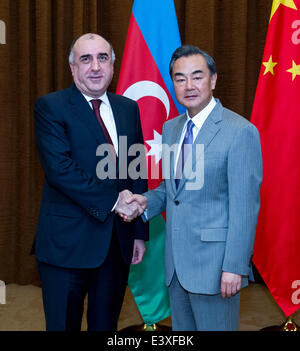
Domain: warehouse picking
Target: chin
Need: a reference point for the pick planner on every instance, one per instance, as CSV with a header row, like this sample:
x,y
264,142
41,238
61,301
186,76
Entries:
x,y
96,91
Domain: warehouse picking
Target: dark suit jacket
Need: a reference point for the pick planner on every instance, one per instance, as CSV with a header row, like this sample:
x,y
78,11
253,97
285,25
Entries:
x,y
75,221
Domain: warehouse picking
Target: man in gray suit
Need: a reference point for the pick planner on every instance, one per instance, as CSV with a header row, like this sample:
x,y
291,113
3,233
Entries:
x,y
211,197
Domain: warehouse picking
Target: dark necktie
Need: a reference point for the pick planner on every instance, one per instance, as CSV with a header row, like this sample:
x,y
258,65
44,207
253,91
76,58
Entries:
x,y
96,107
185,149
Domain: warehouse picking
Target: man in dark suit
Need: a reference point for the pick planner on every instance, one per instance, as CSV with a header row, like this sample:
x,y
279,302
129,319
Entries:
x,y
81,245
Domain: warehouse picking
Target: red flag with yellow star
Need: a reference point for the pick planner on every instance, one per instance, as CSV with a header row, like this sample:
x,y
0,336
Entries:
x,y
276,114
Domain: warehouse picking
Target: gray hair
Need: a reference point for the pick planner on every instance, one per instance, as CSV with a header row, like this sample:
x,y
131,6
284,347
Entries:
x,y
189,50
71,54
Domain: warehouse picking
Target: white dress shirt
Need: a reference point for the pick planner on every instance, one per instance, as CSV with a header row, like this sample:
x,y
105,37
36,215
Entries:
x,y
107,117
198,121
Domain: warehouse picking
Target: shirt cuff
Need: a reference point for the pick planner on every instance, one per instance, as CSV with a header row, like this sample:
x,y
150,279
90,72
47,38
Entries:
x,y
145,216
115,205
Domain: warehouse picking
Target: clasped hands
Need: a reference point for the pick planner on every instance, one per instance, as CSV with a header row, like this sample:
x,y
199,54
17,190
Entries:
x,y
130,205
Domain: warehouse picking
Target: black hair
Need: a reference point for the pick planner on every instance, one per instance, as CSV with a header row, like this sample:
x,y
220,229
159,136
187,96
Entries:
x,y
189,50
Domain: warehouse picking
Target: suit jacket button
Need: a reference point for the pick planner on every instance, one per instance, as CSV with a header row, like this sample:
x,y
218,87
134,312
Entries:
x,y
176,202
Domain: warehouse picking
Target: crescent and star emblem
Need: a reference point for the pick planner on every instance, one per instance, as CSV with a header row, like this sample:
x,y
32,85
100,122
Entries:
x,y
142,89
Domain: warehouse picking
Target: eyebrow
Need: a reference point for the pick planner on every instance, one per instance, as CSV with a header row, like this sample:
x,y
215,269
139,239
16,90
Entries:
x,y
88,55
182,74
84,56
197,71
178,74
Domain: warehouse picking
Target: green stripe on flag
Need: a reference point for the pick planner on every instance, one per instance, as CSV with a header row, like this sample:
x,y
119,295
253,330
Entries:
x,y
147,279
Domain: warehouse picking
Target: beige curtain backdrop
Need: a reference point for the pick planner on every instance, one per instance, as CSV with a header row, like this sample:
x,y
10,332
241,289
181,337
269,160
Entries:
x,y
34,61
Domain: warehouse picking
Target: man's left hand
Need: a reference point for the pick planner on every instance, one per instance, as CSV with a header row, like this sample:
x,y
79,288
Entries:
x,y
230,284
139,250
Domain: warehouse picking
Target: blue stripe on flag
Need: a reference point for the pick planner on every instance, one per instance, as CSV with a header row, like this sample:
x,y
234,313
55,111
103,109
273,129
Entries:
x,y
157,19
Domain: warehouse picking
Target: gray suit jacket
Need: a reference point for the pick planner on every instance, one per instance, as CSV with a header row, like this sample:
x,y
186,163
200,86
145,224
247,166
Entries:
x,y
211,219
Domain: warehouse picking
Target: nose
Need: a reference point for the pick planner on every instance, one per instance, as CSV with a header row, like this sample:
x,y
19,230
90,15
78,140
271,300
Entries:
x,y
95,65
189,84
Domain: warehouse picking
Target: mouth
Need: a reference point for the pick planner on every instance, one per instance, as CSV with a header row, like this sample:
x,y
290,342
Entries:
x,y
96,78
190,97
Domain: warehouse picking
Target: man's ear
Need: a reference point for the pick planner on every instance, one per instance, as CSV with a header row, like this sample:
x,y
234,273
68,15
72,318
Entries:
x,y
71,67
214,78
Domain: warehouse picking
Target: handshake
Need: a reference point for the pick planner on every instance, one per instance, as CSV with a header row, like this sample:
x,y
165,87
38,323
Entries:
x,y
130,206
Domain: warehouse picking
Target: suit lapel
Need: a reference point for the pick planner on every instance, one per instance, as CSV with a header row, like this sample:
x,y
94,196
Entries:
x,y
174,140
206,134
81,110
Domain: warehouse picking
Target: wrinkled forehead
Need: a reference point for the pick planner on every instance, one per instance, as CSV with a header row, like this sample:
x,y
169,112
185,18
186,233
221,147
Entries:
x,y
90,44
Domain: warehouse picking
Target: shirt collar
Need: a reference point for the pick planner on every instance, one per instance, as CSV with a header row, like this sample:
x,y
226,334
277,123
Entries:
x,y
201,116
103,98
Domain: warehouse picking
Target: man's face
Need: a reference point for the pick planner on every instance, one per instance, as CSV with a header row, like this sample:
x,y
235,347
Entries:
x,y
193,83
92,69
